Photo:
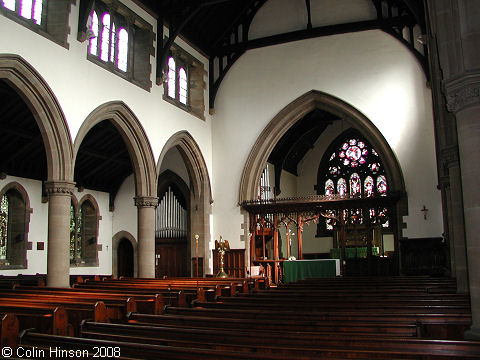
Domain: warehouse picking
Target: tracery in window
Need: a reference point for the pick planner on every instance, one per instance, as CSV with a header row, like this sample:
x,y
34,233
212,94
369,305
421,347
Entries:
x,y
356,169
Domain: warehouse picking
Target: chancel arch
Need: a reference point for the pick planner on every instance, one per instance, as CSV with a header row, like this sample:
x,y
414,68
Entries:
x,y
110,146
307,117
200,195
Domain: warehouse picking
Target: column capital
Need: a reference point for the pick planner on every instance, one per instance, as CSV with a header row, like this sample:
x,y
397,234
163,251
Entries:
x,y
59,188
463,92
146,201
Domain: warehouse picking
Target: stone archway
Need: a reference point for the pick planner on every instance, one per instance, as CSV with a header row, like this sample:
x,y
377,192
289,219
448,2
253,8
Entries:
x,y
143,163
51,122
47,112
289,116
200,190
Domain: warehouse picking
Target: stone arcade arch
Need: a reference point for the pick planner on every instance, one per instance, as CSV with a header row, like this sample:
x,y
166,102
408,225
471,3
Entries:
x,y
50,119
200,190
143,164
295,111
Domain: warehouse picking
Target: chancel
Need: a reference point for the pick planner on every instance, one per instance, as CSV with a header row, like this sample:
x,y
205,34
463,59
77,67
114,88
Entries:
x,y
335,145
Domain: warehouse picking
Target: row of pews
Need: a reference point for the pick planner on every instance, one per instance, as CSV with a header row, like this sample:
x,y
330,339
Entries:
x,y
184,318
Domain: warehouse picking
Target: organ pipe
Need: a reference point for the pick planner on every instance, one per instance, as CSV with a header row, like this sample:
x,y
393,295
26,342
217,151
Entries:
x,y
170,217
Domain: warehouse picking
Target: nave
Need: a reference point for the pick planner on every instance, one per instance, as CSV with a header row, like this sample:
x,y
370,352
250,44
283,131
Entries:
x,y
400,317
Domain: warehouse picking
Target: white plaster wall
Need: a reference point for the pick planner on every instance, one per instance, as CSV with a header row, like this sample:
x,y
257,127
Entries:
x,y
125,213
173,161
369,70
36,259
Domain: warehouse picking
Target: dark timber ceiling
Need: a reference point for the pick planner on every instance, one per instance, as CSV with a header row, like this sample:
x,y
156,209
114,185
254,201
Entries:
x,y
103,162
219,28
21,144
297,141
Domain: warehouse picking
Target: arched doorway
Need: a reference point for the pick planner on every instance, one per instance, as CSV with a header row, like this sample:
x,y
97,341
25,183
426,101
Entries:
x,y
125,266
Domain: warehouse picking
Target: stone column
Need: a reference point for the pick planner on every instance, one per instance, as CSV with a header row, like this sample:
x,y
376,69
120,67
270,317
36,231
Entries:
x,y
463,97
146,235
58,255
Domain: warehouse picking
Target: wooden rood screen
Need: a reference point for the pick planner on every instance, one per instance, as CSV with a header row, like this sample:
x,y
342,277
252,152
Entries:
x,y
267,217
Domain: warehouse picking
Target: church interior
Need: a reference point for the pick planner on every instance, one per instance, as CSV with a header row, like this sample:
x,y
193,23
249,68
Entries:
x,y
253,165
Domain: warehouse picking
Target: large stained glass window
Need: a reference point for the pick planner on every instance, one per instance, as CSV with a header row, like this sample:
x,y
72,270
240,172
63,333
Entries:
x,y
352,168
3,227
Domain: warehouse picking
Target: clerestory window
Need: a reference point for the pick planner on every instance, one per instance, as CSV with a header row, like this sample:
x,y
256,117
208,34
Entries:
x,y
177,82
48,18
118,40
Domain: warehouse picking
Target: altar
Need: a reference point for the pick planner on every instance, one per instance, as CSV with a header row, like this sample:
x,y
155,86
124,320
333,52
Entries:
x,y
295,270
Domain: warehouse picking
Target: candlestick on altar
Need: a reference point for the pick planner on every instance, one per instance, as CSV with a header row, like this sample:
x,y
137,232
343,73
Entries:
x,y
221,246
196,252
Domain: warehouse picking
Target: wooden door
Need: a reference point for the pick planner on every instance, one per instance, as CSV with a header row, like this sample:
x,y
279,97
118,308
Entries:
x,y
171,257
125,258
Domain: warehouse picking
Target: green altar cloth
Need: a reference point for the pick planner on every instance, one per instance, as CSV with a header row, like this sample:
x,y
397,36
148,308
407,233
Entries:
x,y
302,269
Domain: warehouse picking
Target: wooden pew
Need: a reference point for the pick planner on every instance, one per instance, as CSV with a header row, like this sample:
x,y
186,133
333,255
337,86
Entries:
x,y
134,350
284,342
143,347
145,303
429,325
116,307
9,329
404,329
45,318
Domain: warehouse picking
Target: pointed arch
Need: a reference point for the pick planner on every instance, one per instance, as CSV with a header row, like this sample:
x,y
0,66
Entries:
x,y
194,161
200,190
135,138
116,239
295,111
47,112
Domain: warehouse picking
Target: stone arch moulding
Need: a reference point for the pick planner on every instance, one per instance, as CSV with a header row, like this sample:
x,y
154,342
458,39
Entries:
x,y
196,166
200,190
47,112
292,113
115,242
135,139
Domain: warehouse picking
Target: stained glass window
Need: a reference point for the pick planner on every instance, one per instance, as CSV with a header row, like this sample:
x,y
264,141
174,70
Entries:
x,y
105,37
353,168
3,227
83,234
